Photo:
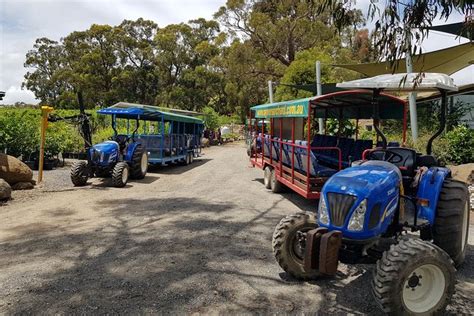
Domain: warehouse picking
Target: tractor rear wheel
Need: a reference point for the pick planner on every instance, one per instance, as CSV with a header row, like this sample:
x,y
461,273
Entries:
x,y
275,185
287,247
267,177
120,174
451,227
414,277
79,173
139,163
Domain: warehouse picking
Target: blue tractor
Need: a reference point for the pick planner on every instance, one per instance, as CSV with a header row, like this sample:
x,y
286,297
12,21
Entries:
x,y
121,158
397,208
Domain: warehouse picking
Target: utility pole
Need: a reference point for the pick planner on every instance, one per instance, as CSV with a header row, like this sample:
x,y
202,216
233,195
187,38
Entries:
x,y
270,91
319,92
411,95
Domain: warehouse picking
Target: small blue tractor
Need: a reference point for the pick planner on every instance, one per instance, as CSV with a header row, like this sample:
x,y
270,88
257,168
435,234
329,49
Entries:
x,y
120,158
397,208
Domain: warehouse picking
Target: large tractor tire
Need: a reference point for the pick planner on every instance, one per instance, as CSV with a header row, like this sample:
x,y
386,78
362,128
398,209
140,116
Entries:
x,y
267,177
275,185
451,227
139,163
286,245
79,173
414,277
120,174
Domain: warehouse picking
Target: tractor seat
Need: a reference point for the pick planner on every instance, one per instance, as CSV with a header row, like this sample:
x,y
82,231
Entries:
x,y
122,141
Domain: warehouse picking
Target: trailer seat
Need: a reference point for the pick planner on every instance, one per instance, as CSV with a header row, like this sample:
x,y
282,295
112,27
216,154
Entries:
x,y
360,146
287,154
316,169
266,143
345,145
276,149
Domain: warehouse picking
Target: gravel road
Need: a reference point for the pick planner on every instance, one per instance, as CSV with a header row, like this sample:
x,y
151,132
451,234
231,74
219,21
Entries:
x,y
185,239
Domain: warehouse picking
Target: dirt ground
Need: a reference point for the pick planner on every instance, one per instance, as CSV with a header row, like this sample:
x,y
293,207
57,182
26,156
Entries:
x,y
185,239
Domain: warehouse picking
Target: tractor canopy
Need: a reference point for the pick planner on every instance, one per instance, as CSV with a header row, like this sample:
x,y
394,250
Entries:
x,y
147,113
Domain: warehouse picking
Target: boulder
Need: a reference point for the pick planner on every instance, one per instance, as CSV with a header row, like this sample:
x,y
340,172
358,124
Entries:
x,y
464,173
5,190
205,142
23,186
12,170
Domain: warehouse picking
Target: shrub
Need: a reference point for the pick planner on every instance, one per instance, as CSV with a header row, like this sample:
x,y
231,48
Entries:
x,y
460,147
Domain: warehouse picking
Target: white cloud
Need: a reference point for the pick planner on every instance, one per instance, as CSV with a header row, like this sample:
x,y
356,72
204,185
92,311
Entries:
x,y
23,21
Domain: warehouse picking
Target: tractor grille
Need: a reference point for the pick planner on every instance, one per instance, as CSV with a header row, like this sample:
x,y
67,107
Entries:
x,y
339,206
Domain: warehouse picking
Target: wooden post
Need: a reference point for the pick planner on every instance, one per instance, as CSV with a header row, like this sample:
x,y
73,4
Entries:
x,y
45,110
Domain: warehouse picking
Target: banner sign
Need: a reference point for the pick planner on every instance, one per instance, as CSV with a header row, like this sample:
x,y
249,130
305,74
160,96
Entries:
x,y
282,110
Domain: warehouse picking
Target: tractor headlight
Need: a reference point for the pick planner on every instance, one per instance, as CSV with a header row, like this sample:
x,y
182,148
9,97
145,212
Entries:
x,y
356,222
102,155
323,211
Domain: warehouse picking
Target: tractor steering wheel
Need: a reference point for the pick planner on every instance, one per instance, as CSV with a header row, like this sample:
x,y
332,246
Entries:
x,y
385,155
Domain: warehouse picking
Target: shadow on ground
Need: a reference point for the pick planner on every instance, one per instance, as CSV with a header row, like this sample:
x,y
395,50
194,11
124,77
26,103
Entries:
x,y
176,168
157,255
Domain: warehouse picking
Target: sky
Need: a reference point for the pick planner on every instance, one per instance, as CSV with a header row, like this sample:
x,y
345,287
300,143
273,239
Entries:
x,y
23,21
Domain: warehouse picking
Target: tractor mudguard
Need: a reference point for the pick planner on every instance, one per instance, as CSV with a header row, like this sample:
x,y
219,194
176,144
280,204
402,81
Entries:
x,y
429,189
130,150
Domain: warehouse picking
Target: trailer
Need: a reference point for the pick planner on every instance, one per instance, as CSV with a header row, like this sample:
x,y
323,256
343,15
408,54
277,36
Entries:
x,y
293,154
151,136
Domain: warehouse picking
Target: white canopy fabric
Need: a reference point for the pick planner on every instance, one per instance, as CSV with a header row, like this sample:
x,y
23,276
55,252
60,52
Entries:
x,y
403,82
448,61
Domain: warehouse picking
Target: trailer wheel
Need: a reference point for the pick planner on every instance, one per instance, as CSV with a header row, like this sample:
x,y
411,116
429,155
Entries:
x,y
414,277
267,177
79,173
451,226
139,163
275,185
191,157
287,247
120,174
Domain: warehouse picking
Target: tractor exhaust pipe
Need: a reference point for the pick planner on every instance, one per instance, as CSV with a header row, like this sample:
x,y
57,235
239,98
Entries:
x,y
442,122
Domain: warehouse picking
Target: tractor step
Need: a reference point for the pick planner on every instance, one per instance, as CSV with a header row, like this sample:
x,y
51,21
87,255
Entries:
x,y
322,250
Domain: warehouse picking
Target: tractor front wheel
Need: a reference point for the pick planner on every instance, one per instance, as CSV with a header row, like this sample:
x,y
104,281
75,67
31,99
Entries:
x,y
451,226
287,244
79,173
139,163
120,174
414,277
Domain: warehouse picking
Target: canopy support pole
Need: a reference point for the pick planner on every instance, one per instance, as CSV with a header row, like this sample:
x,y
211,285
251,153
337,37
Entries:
x,y
411,95
319,92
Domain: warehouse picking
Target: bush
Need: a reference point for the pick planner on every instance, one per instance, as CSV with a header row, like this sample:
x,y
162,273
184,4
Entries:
x,y
460,147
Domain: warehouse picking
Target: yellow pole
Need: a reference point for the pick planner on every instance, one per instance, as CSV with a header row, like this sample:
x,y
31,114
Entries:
x,y
45,110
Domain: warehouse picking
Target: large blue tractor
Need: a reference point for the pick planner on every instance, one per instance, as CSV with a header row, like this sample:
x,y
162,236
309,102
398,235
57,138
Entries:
x,y
397,208
120,158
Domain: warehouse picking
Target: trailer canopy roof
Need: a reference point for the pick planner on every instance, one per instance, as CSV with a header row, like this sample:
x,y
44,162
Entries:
x,y
146,112
353,104
403,82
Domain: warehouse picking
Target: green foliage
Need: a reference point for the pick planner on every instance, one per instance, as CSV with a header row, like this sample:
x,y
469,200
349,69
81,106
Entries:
x,y
345,128
460,145
211,118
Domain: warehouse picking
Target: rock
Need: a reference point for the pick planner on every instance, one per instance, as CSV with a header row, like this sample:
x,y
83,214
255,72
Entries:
x,y
22,186
5,190
12,170
205,142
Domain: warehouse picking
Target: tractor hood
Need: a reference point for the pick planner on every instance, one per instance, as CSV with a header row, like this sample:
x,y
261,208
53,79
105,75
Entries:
x,y
106,147
363,181
372,189
103,153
